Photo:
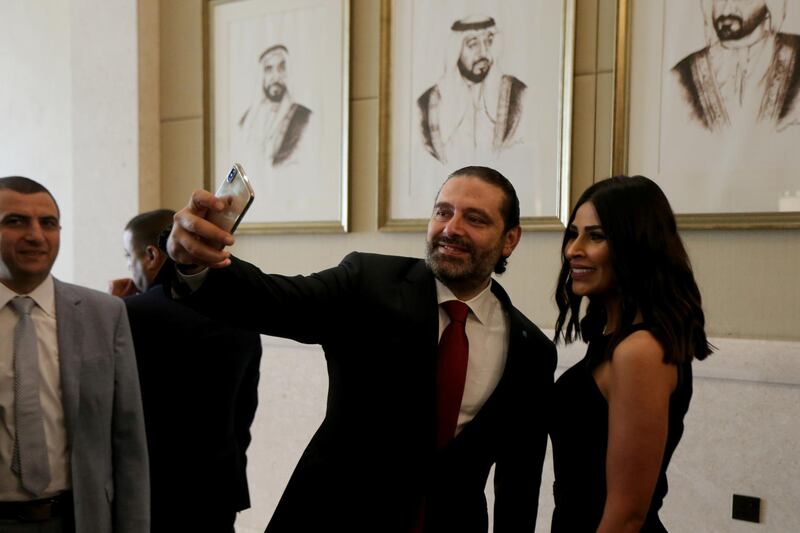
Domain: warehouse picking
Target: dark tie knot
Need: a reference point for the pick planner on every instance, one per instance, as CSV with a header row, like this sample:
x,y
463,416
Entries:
x,y
22,305
456,310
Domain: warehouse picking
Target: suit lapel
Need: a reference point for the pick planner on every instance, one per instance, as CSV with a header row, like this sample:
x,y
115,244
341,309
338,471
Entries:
x,y
418,293
421,317
516,333
70,338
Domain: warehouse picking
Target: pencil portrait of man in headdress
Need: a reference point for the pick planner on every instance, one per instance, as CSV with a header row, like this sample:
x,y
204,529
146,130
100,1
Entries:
x,y
748,73
277,99
275,123
474,108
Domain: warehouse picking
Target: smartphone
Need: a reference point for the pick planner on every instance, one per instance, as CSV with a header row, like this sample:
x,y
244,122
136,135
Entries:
x,y
237,194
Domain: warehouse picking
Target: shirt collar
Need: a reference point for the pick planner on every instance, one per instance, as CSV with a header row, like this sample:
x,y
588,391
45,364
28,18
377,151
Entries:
x,y
480,304
44,295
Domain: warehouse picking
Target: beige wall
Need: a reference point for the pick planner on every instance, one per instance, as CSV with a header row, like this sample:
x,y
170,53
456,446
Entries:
x,y
748,280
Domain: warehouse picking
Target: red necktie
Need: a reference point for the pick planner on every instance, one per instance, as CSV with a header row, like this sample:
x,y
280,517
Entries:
x,y
451,372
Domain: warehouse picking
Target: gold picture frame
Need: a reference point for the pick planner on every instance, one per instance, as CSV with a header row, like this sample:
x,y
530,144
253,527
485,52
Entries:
x,y
277,91
408,164
648,28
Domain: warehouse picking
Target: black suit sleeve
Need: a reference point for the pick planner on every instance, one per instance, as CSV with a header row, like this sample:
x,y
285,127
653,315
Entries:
x,y
307,309
518,469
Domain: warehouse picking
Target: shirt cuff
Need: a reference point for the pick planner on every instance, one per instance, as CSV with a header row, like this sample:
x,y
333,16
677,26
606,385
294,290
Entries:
x,y
191,282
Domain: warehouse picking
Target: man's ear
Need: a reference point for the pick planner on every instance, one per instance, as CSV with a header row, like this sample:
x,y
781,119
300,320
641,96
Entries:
x,y
153,255
512,240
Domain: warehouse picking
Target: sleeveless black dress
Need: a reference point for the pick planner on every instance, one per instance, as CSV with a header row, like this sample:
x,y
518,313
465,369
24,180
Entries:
x,y
579,433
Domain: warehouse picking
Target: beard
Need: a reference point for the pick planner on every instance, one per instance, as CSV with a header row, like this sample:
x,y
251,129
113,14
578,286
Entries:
x,y
469,271
734,27
275,91
478,72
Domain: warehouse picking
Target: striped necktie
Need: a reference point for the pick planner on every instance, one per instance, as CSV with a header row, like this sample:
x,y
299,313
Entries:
x,y
30,460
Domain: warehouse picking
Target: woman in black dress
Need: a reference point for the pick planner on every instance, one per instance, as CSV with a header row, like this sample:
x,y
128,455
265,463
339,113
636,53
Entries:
x,y
619,412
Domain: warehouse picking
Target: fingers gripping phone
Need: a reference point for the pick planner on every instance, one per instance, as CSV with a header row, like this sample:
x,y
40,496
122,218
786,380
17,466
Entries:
x,y
237,194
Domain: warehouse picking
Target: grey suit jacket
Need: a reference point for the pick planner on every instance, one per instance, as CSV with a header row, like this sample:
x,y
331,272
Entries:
x,y
102,412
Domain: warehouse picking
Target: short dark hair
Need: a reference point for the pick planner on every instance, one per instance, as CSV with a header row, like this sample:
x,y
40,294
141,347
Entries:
x,y
650,268
147,227
25,185
510,206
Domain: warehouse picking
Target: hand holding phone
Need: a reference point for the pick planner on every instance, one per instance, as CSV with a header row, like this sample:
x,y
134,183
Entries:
x,y
237,195
196,241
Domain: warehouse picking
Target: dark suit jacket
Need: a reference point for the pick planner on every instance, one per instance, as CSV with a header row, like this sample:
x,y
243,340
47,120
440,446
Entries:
x,y
373,459
199,382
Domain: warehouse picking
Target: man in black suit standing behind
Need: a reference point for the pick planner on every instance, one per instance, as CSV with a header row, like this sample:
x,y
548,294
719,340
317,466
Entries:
x,y
417,414
199,382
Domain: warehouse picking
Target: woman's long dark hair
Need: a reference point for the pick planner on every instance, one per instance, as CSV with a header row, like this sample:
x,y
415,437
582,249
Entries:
x,y
651,272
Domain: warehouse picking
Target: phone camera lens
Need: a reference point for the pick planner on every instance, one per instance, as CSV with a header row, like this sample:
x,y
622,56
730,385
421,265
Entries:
x,y
231,175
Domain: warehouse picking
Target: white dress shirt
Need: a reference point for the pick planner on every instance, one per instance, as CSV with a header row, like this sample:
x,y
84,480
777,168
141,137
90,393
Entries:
x,y
44,319
487,334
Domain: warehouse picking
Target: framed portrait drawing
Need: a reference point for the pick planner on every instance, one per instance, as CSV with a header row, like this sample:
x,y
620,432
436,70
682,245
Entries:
x,y
277,103
707,103
475,82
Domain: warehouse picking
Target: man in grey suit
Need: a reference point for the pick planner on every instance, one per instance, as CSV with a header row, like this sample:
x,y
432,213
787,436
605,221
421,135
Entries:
x,y
73,456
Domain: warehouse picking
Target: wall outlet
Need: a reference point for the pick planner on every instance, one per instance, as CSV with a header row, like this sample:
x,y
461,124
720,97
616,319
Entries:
x,y
747,508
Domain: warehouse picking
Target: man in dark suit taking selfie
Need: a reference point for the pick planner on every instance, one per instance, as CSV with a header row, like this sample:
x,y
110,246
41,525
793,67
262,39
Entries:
x,y
433,375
